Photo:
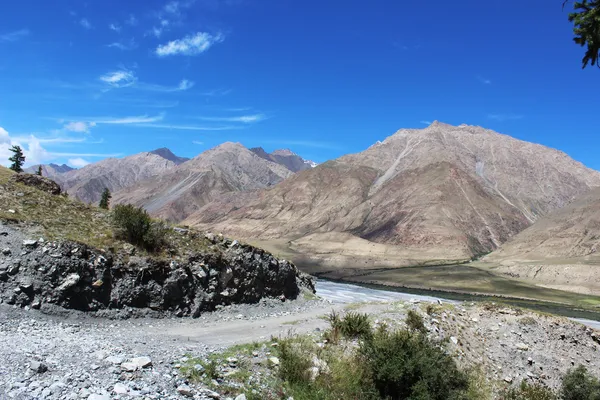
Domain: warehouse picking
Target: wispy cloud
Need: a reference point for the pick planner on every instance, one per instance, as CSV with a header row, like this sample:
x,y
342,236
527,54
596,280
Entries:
x,y
114,27
425,122
197,142
483,80
132,20
142,119
79,126
14,36
183,85
217,92
77,162
190,45
119,79
85,23
53,140
124,45
246,119
189,127
504,117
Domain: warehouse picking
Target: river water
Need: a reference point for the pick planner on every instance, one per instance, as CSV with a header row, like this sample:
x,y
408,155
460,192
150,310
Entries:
x,y
345,293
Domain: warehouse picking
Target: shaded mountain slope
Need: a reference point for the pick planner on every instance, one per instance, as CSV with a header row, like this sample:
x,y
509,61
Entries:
x,y
461,191
182,190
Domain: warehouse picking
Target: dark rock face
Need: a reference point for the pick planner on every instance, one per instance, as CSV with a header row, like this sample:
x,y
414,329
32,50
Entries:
x,y
74,276
39,182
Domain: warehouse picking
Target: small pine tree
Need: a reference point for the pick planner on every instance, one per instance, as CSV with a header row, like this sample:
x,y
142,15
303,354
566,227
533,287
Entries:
x,y
17,159
39,170
105,199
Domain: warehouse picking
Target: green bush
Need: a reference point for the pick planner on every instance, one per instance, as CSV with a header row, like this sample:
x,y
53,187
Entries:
x,y
134,225
407,365
414,321
529,392
579,384
295,361
352,325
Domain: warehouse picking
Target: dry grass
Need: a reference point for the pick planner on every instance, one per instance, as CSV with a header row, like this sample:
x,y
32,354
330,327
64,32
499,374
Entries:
x,y
62,218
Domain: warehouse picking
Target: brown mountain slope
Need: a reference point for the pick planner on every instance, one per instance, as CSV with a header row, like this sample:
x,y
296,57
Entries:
x,y
87,183
182,190
438,194
561,250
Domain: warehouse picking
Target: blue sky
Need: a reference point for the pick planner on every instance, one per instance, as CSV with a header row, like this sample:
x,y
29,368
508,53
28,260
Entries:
x,y
83,80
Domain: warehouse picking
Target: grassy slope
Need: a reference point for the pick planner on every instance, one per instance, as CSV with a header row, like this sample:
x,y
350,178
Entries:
x,y
59,217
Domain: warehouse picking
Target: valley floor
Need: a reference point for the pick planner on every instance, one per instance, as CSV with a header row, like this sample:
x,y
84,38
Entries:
x,y
96,358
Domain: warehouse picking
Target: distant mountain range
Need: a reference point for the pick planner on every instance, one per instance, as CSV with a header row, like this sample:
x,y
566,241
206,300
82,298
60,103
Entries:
x,y
239,168
285,157
440,194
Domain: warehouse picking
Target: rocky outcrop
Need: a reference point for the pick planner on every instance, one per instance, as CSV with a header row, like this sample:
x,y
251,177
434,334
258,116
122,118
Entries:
x,y
74,276
38,182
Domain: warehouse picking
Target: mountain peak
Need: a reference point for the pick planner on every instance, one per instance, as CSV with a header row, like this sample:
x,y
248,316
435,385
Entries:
x,y
283,152
168,155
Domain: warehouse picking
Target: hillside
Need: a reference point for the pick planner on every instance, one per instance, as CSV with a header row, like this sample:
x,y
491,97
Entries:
x,y
52,171
440,194
180,191
87,183
560,250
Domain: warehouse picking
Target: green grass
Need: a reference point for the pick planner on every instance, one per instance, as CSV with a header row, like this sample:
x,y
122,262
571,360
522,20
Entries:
x,y
471,280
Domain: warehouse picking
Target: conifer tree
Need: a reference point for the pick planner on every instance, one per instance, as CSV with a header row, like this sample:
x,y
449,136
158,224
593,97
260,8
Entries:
x,y
105,199
17,159
586,21
39,170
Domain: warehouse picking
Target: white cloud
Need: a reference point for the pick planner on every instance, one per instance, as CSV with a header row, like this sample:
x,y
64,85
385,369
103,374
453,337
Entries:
x,y
119,79
246,119
79,126
425,122
197,142
32,149
85,23
77,162
172,7
185,84
190,45
14,36
127,45
114,27
157,32
217,92
504,117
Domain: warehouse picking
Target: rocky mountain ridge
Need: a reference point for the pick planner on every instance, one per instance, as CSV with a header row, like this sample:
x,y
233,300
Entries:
x,y
444,193
180,191
285,157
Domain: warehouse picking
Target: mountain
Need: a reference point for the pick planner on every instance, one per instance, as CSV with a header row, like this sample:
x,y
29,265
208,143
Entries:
x,y
51,171
168,155
180,191
87,183
285,157
561,250
440,194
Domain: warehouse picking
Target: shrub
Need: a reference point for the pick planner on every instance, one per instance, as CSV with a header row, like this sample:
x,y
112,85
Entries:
x,y
352,325
134,225
529,392
407,365
294,361
414,321
578,384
